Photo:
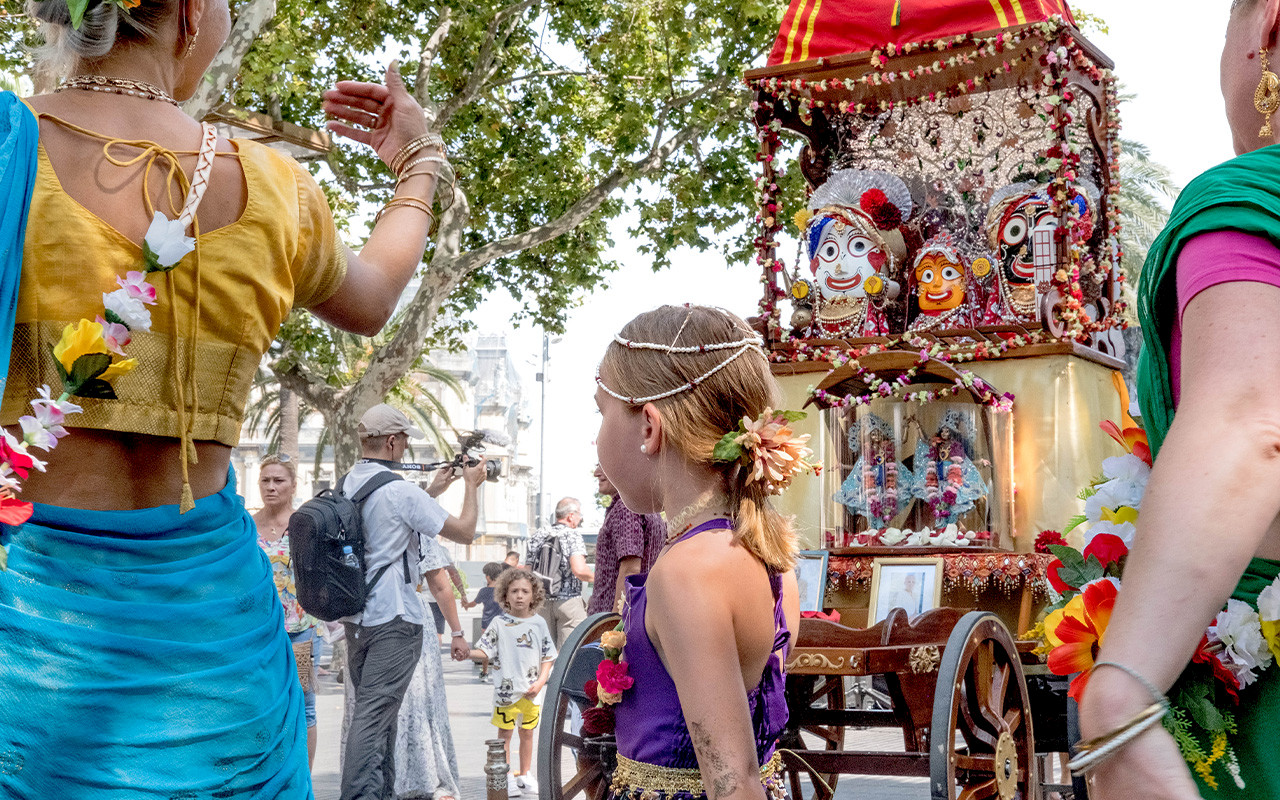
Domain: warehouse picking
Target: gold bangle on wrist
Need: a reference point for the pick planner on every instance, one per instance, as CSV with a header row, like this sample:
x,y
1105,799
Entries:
x,y
1093,752
413,146
409,202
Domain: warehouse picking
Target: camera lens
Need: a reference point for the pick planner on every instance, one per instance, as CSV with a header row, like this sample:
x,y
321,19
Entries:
x,y
492,470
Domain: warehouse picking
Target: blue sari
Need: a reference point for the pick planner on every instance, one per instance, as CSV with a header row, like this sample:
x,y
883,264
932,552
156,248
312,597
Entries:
x,y
143,653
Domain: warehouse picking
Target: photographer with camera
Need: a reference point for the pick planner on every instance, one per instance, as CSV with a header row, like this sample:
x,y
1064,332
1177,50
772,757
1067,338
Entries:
x,y
385,640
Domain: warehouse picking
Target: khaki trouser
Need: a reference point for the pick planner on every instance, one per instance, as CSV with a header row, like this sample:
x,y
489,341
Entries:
x,y
563,616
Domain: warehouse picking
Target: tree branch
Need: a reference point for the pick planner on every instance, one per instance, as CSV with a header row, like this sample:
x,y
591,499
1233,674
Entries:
x,y
298,378
449,266
428,56
500,30
253,18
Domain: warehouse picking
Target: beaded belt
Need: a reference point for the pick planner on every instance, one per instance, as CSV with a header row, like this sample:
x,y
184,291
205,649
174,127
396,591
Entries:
x,y
649,780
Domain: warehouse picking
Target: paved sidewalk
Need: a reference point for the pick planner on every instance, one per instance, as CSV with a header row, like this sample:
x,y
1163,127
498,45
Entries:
x,y
470,710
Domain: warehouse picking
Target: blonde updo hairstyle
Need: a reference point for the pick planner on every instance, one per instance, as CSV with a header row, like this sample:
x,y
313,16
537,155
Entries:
x,y
693,421
105,26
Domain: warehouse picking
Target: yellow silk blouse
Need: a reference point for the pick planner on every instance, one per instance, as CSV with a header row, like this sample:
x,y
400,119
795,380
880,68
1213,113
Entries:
x,y
283,252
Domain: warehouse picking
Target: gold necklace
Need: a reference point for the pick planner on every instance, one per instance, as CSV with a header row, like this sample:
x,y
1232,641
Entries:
x,y
678,525
125,86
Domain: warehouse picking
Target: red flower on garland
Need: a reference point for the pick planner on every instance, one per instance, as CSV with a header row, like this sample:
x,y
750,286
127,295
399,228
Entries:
x,y
883,213
19,461
1220,671
612,677
1051,572
1047,538
13,511
598,721
1107,548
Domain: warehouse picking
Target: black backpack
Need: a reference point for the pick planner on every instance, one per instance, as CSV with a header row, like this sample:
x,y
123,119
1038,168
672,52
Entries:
x,y
318,531
546,563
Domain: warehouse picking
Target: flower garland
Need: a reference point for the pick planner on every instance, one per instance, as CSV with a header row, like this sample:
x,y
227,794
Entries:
x,y
1057,55
605,690
768,446
1242,642
950,536
881,505
89,357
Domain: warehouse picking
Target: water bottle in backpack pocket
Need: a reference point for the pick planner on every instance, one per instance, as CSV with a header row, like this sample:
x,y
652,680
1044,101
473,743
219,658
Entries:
x,y
326,544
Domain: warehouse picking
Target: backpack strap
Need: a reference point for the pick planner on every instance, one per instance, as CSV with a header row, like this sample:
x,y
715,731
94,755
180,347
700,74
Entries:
x,y
370,486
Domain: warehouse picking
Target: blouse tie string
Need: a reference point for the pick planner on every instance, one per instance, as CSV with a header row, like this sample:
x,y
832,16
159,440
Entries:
x,y
152,156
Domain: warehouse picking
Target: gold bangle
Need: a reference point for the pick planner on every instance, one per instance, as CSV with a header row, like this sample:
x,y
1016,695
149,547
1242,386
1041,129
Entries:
x,y
407,202
413,146
423,160
1091,753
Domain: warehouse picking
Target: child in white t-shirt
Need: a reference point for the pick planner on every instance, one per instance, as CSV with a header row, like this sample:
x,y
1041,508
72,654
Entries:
x,y
520,650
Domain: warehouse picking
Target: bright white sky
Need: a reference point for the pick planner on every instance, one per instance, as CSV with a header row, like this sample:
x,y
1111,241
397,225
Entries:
x,y
1166,54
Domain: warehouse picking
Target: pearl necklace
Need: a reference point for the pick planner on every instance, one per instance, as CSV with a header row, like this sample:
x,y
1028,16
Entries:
x,y
124,86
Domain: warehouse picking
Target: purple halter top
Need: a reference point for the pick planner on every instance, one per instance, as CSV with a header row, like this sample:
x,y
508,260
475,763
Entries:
x,y
650,724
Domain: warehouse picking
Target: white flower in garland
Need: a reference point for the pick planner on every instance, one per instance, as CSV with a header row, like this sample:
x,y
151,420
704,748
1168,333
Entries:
x,y
127,310
1239,630
1125,530
47,399
166,243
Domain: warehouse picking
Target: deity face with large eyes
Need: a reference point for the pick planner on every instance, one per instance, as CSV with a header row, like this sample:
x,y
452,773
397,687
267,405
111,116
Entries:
x,y
845,257
1012,233
941,283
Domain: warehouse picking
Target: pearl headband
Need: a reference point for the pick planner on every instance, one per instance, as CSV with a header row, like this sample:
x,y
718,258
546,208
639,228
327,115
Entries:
x,y
739,347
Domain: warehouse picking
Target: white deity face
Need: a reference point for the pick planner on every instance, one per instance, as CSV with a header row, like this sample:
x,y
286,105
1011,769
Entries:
x,y
843,260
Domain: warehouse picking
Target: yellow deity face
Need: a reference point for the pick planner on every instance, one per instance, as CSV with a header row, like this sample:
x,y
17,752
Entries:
x,y
941,283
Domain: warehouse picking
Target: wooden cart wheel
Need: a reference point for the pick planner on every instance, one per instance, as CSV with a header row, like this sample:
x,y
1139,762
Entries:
x,y
806,693
590,763
981,743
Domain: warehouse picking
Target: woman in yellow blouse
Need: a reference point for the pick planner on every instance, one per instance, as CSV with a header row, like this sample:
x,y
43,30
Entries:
x,y
142,646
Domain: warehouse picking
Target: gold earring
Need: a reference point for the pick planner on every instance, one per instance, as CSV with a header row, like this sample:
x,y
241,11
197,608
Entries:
x,y
1266,98
191,46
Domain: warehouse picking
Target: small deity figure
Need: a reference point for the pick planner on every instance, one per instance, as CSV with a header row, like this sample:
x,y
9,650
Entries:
x,y
1020,227
878,487
946,477
945,283
856,237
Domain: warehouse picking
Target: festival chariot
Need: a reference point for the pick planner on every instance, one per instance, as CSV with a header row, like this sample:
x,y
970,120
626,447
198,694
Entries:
x,y
945,174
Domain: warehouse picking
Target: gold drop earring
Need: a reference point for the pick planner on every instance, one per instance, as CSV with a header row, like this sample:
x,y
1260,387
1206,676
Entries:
x,y
1266,98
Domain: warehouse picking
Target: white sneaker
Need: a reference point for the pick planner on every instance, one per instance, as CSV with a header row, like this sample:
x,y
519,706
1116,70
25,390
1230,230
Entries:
x,y
527,783
513,786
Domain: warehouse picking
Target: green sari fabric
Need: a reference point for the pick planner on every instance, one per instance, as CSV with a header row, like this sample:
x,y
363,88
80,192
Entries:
x,y
1242,194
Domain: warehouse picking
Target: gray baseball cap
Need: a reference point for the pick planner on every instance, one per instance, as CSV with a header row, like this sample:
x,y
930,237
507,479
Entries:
x,y
383,420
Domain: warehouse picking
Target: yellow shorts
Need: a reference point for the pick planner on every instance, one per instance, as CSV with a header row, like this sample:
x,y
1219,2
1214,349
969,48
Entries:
x,y
504,717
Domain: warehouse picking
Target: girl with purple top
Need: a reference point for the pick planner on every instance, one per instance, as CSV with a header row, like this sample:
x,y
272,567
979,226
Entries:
x,y
707,704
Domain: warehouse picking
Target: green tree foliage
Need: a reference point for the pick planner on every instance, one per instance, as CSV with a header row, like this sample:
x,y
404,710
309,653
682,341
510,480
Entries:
x,y
560,116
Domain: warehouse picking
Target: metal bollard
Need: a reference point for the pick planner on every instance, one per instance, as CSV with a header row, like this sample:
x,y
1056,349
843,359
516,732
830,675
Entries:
x,y
495,770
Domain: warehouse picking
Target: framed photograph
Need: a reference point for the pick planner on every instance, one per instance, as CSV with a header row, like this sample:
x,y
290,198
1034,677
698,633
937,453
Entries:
x,y
914,584
811,575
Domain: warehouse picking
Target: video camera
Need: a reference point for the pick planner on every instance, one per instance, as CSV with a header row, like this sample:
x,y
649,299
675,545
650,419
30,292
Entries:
x,y
470,449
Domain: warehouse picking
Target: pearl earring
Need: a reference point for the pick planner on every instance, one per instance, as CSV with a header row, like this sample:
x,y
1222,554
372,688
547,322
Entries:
x,y
644,448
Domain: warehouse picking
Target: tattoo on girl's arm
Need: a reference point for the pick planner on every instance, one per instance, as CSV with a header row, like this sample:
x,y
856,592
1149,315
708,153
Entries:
x,y
725,779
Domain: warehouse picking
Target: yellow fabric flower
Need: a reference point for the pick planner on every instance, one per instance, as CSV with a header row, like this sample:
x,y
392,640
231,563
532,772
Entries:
x,y
83,338
122,367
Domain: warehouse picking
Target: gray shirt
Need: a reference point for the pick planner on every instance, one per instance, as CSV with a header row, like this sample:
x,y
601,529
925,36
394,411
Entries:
x,y
395,516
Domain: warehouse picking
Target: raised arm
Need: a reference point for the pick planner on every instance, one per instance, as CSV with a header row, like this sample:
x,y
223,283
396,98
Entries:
x,y
462,528
386,118
1210,506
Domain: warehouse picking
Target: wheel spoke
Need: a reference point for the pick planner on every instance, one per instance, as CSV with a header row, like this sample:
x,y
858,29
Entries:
x,y
985,764
1013,719
987,788
571,741
973,732
581,780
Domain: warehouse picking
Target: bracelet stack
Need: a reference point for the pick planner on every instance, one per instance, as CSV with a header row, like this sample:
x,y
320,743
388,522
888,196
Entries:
x,y
1093,752
404,164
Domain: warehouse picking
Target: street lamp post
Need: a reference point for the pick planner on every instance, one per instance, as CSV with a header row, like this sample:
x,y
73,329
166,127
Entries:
x,y
542,431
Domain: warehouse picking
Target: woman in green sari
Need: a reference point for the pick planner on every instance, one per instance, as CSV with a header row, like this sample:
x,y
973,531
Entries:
x,y
1209,303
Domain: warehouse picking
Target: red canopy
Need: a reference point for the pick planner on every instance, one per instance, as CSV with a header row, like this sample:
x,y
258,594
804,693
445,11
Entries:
x,y
816,28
